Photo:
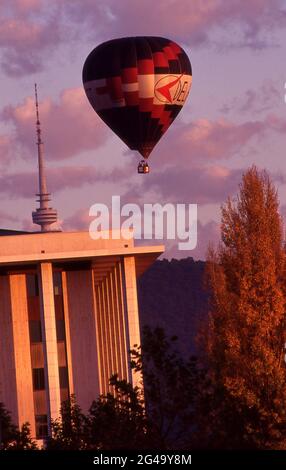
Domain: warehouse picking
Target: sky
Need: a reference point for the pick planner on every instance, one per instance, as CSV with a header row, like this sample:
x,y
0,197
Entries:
x,y
235,115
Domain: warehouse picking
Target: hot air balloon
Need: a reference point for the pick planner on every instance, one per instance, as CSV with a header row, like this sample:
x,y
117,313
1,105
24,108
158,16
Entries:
x,y
138,85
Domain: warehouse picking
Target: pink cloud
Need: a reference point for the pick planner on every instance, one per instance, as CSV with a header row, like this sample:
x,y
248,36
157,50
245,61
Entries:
x,y
219,139
80,220
26,5
14,32
29,29
254,101
209,140
70,126
76,176
7,217
25,184
198,185
5,149
191,22
208,234
32,30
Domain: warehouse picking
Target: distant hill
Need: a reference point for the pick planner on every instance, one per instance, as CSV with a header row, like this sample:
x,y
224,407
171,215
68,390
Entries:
x,y
171,295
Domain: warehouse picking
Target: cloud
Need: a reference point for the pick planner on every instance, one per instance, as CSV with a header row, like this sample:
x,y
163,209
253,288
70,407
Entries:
x,y
206,140
190,22
204,185
208,233
5,149
27,5
69,177
257,101
80,220
7,217
30,30
70,125
25,184
219,139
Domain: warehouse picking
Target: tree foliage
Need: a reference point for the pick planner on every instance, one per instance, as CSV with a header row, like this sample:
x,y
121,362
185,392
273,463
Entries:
x,y
161,417
171,387
245,404
12,438
235,397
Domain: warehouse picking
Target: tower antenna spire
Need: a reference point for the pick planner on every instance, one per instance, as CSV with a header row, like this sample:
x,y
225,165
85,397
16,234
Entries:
x,y
44,215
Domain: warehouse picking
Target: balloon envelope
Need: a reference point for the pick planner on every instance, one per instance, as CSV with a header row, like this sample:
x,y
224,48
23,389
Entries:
x,y
138,86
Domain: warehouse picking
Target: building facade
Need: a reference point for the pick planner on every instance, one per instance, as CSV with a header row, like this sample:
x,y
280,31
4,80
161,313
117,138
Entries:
x,y
68,318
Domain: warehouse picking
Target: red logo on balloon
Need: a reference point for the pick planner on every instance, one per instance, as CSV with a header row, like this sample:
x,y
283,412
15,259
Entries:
x,y
168,89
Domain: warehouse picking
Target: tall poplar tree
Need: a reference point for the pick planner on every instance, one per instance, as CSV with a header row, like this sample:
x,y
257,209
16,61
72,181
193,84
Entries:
x,y
245,346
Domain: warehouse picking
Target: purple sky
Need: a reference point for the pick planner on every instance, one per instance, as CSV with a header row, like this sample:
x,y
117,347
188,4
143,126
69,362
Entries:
x,y
235,115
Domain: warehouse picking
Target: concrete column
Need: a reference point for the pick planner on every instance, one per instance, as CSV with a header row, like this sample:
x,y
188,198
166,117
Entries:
x,y
118,329
8,387
115,368
104,353
48,321
100,339
84,358
107,336
100,329
117,343
21,341
67,332
131,303
119,278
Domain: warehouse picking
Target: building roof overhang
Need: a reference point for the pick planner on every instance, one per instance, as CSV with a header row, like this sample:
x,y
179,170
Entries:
x,y
74,248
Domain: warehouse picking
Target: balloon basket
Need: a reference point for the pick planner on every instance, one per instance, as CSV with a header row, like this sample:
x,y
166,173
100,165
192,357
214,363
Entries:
x,y
143,167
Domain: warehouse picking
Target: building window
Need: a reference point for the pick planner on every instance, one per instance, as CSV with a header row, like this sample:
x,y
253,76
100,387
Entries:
x,y
64,392
64,380
41,426
61,335
60,327
57,279
35,331
32,285
39,379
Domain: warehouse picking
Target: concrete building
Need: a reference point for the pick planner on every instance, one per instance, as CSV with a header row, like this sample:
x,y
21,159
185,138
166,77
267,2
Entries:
x,y
68,318
68,314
